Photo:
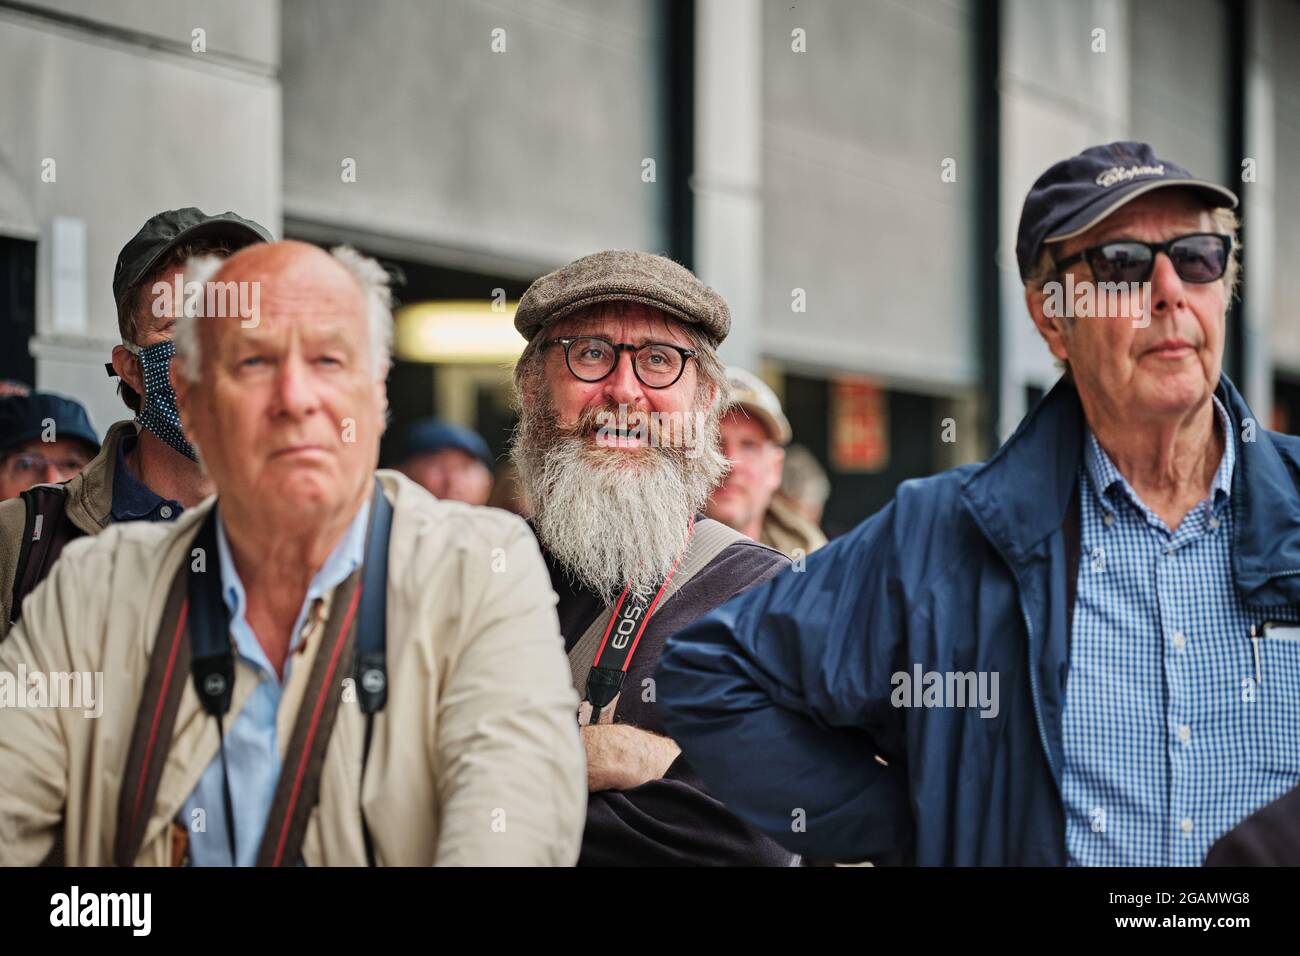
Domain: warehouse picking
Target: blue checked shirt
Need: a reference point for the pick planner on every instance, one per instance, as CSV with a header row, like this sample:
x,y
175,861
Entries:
x,y
1182,715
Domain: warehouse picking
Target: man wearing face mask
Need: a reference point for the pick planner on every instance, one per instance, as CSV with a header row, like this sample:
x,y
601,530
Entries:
x,y
146,469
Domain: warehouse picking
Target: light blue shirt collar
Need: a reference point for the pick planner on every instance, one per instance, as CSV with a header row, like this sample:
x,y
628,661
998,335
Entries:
x,y
1104,475
341,562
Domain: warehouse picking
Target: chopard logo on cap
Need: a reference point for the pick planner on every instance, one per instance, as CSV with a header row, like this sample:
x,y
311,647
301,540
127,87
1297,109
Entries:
x,y
1119,174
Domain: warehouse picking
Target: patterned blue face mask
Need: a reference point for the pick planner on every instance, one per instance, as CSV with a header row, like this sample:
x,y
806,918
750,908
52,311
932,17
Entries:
x,y
158,412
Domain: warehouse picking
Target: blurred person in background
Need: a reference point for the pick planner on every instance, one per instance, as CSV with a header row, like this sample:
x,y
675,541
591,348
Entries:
x,y
754,433
44,439
804,484
146,469
952,681
450,461
619,392
508,491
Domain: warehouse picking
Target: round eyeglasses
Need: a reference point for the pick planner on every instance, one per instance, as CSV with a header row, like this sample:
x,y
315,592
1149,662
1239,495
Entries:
x,y
655,364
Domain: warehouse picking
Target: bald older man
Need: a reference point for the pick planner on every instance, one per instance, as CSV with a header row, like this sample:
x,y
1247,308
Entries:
x,y
307,669
1085,650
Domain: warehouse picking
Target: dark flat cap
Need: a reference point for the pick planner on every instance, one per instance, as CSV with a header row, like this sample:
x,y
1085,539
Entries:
x,y
171,228
623,276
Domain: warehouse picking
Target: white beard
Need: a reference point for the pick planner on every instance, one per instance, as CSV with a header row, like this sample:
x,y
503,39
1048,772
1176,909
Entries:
x,y
610,517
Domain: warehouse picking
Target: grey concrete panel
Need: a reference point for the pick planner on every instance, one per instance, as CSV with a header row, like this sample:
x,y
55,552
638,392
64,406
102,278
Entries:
x,y
856,212
535,152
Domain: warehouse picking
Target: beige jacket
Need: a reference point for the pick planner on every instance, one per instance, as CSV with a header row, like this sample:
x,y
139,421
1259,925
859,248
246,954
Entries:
x,y
476,758
789,532
90,502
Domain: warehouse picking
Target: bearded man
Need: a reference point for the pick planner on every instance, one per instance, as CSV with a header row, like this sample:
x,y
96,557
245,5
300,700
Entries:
x,y
620,393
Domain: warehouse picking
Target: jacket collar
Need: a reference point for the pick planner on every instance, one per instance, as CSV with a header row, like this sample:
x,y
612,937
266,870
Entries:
x,y
90,492
1020,495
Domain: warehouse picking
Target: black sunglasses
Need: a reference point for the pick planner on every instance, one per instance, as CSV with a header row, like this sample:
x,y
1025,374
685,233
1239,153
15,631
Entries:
x,y
1199,257
655,364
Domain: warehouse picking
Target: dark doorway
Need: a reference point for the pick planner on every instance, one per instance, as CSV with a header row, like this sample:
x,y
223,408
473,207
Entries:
x,y
858,495
17,309
1286,405
412,385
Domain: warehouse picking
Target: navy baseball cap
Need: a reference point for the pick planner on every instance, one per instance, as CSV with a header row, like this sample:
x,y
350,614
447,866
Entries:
x,y
1077,193
435,434
24,417
171,228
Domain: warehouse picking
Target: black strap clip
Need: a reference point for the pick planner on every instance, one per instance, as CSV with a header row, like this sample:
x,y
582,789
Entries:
x,y
214,681
371,678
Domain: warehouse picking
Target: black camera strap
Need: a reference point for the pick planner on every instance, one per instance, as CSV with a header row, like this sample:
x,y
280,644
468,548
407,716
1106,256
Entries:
x,y
195,635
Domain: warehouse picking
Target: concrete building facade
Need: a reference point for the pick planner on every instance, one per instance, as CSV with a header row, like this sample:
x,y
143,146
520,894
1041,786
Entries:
x,y
847,173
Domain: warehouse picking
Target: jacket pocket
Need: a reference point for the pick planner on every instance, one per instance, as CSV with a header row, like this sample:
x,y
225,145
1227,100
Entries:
x,y
1277,709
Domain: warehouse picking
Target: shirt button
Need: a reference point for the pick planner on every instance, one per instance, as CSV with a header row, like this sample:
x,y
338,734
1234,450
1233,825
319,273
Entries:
x,y
1185,824
1184,733
165,511
1180,640
1214,523
1108,519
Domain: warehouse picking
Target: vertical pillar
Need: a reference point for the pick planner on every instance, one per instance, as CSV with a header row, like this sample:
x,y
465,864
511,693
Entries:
x,y
727,184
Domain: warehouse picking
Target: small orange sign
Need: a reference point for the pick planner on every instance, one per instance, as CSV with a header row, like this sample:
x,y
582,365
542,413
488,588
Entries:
x,y
859,425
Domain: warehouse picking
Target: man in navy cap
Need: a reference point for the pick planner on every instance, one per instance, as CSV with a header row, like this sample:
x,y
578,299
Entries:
x,y
44,439
451,461
146,469
1085,650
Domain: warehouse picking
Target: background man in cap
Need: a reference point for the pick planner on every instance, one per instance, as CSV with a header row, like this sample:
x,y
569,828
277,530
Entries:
x,y
146,469
804,485
620,390
305,553
754,434
451,461
44,439
1124,566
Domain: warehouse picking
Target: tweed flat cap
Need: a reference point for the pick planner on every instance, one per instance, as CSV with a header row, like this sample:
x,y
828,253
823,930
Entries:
x,y
623,276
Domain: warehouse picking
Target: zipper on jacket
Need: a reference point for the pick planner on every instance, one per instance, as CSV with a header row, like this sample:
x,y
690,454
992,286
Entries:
x,y
1029,633
1033,684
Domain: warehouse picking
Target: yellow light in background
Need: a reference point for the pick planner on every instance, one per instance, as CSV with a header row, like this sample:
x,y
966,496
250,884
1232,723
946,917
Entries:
x,y
458,331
